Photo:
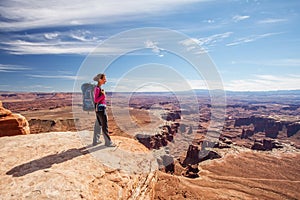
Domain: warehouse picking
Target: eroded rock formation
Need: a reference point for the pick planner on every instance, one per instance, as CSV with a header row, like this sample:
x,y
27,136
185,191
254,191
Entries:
x,y
12,124
40,126
266,145
172,116
159,140
269,126
195,155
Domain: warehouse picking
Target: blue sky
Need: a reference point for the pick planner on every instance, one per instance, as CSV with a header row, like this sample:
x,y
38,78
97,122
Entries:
x,y
254,45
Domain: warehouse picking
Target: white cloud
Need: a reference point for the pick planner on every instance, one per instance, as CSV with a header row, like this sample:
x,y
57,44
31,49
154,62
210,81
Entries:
x,y
12,68
251,38
205,42
189,42
79,42
271,21
211,40
285,62
51,36
154,46
84,36
265,83
238,18
30,14
66,77
68,42
20,47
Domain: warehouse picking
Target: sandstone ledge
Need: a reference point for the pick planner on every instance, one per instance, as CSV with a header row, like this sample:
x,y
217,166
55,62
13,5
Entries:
x,y
57,165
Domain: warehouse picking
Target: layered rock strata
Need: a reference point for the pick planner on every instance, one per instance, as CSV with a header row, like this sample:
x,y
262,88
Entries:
x,y
12,124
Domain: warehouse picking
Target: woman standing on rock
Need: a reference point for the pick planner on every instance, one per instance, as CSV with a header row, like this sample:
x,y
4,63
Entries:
x,y
100,109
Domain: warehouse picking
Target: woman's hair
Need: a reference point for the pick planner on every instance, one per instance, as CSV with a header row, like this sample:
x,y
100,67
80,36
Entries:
x,y
98,77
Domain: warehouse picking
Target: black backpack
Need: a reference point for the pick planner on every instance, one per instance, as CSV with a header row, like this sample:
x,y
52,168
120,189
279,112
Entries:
x,y
88,96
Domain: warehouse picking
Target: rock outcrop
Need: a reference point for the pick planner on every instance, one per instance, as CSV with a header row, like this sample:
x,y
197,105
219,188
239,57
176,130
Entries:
x,y
172,116
159,140
266,145
57,165
51,125
12,124
195,155
4,112
269,126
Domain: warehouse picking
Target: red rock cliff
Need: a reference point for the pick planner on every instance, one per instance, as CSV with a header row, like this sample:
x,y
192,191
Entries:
x,y
12,124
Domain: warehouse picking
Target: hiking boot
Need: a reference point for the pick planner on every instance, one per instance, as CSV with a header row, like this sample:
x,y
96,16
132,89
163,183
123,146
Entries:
x,y
99,142
111,145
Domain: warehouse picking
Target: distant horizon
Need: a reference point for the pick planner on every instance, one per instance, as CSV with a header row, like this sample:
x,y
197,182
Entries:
x,y
202,90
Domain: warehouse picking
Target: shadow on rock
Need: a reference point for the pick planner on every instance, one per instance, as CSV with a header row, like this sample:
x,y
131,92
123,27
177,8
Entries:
x,y
48,161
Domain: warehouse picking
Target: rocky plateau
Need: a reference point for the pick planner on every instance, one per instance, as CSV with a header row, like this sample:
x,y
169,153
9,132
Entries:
x,y
255,155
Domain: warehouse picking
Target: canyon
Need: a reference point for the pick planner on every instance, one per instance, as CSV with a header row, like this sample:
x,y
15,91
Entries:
x,y
257,146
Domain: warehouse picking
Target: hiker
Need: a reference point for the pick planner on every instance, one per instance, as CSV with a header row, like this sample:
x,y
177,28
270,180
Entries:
x,y
100,109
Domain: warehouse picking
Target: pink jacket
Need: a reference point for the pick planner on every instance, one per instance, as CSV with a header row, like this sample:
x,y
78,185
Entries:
x,y
98,96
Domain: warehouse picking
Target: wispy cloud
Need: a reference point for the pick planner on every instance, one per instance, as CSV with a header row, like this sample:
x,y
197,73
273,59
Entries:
x,y
205,42
79,42
284,62
238,18
51,36
272,21
84,36
68,42
211,40
66,77
265,83
154,46
22,15
12,68
251,38
20,47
